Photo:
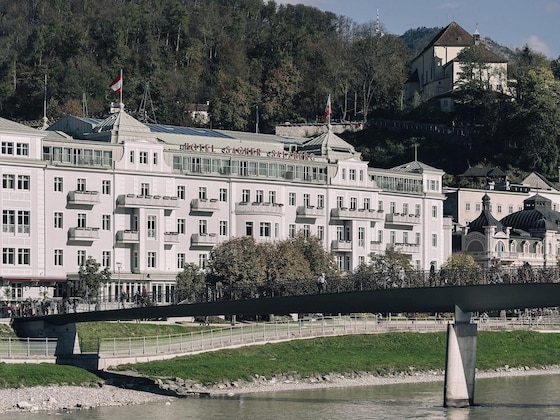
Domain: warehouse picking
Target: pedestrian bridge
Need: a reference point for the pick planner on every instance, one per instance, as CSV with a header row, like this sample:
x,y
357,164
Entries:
x,y
460,300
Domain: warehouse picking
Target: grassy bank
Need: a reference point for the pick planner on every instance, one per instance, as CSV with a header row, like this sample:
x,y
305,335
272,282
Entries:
x,y
382,353
28,375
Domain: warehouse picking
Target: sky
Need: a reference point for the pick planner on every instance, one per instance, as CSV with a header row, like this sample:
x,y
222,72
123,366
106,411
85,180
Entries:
x,y
511,23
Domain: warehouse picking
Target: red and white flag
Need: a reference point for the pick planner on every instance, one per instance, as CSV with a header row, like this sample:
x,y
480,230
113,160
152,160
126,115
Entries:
x,y
328,109
117,84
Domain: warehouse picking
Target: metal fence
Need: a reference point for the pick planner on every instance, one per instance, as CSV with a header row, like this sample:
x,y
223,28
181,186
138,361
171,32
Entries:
x,y
260,333
12,347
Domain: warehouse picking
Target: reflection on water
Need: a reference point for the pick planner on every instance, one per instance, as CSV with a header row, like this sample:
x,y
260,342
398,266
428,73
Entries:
x,y
505,398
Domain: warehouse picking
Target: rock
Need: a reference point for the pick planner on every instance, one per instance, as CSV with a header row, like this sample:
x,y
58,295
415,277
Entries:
x,y
24,405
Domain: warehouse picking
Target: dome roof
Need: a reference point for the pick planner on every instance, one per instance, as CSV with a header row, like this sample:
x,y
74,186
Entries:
x,y
537,215
485,218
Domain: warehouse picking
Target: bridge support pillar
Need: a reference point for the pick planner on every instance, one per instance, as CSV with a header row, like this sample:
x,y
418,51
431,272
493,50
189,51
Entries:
x,y
66,334
460,361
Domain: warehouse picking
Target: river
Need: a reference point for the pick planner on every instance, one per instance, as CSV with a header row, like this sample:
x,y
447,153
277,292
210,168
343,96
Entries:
x,y
496,398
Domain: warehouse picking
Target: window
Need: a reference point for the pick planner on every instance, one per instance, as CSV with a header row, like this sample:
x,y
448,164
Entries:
x,y
181,223
380,236
467,206
361,174
361,237
245,196
352,174
417,239
477,207
272,197
23,182
9,181
143,158
24,221
223,195
144,189
81,257
259,196
353,203
131,156
499,208
320,232
8,221
249,228
343,173
434,239
202,261
393,207
339,233
276,230
292,231
306,200
292,199
393,237
106,187
81,184
82,220
24,256
405,208
434,211
223,228
57,220
202,193
181,192
106,222
152,226
339,202
7,148
135,259
58,257
22,149
367,203
8,255
106,259
306,230
202,227
264,229
417,210
320,201
58,183
181,260
380,205
155,159
151,259
510,209
405,237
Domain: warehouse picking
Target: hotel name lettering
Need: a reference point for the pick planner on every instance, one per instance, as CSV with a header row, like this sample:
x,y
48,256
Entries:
x,y
246,151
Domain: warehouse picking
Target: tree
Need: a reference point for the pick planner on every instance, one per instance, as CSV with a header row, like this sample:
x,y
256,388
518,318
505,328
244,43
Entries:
x,y
191,284
390,268
90,279
461,261
319,259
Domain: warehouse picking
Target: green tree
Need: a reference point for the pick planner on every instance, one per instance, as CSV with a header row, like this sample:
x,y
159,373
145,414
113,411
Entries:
x,y
191,284
91,278
319,259
390,268
460,260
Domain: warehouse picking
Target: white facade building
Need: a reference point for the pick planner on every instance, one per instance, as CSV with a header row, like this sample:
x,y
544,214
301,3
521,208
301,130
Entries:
x,y
144,199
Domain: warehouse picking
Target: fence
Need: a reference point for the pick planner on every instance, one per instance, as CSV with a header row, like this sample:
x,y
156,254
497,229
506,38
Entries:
x,y
27,347
260,333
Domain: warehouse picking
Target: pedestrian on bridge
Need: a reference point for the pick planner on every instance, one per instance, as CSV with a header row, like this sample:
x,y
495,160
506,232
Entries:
x,y
322,283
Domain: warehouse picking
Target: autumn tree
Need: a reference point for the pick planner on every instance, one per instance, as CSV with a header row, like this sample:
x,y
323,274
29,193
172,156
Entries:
x,y
191,284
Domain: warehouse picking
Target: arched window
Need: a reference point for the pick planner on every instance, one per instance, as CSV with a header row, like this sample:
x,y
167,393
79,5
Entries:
x,y
500,247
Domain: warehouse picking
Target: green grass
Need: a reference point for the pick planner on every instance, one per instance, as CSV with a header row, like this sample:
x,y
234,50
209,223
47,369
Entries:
x,y
382,354
29,375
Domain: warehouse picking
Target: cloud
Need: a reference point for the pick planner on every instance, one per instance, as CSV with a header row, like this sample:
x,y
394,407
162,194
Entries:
x,y
537,44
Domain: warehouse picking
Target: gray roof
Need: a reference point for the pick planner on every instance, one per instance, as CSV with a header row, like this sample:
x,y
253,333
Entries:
x,y
7,125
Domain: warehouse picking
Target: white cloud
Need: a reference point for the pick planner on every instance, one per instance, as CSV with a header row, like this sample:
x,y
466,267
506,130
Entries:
x,y
537,44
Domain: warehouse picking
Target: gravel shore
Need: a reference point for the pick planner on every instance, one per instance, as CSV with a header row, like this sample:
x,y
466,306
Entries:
x,y
69,398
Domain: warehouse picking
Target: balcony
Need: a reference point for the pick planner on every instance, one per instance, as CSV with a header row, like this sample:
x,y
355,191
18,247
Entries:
x,y
341,246
83,233
351,214
83,197
401,218
406,248
259,208
205,205
203,239
135,201
171,237
128,236
310,212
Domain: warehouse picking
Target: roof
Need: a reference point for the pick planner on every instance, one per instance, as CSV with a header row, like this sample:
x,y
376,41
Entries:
x,y
486,171
7,125
414,167
453,35
537,215
485,218
330,146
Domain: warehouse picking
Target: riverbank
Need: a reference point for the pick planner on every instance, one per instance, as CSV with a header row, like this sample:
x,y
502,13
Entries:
x,y
72,398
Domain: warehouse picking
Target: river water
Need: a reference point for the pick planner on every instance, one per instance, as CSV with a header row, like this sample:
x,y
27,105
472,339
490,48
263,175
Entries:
x,y
497,398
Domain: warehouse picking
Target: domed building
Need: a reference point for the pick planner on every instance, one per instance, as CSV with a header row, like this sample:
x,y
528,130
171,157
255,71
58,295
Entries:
x,y
530,235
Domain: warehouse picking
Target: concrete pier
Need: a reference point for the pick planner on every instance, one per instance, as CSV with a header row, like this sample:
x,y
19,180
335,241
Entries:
x,y
460,361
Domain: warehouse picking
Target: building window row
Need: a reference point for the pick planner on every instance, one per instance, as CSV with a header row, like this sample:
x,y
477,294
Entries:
x,y
16,221
21,149
78,156
12,182
9,256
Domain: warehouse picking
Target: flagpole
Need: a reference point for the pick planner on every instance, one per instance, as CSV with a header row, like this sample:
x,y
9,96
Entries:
x,y
121,94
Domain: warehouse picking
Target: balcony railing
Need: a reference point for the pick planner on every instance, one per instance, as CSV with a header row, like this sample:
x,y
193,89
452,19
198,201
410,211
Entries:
x,y
133,200
83,233
400,218
406,248
128,236
259,208
83,197
203,204
346,214
171,237
310,211
344,246
203,239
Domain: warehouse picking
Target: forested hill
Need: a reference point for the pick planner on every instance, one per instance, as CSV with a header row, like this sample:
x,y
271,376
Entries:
x,y
235,54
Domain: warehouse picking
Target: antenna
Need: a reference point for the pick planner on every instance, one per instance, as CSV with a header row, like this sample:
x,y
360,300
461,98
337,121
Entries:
x,y
45,119
84,105
142,114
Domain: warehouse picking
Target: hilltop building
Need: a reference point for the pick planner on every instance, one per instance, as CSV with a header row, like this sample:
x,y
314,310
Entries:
x,y
144,199
436,72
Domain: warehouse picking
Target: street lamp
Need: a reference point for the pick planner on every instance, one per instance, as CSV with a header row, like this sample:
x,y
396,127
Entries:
x,y
118,294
